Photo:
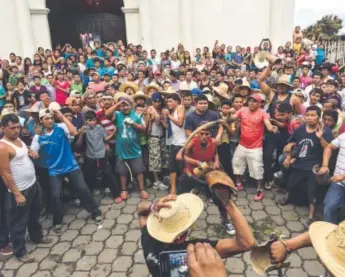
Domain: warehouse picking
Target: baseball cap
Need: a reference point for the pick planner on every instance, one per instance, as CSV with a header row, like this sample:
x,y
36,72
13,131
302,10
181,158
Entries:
x,y
256,97
44,112
75,93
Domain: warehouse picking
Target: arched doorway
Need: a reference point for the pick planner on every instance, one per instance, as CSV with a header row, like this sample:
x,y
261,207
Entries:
x,y
69,18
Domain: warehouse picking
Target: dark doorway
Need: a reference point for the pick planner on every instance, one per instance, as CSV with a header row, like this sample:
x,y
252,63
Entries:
x,y
69,18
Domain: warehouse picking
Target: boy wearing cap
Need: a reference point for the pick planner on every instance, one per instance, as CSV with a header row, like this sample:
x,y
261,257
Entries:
x,y
55,147
249,151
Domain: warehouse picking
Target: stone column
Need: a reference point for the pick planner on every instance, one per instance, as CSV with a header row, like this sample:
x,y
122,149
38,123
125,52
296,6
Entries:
x,y
131,11
40,23
24,26
145,24
186,24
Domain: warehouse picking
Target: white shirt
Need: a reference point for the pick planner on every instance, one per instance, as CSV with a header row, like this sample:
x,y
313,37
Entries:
x,y
339,142
188,86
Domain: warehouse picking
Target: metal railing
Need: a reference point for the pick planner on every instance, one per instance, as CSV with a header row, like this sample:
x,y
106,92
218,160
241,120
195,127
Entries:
x,y
335,49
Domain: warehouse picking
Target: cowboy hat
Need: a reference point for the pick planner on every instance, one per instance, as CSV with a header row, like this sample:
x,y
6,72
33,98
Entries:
x,y
168,91
171,222
139,94
284,80
329,243
131,85
33,109
152,85
222,90
246,85
119,95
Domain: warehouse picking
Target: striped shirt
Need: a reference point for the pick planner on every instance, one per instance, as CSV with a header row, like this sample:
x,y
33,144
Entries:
x,y
339,142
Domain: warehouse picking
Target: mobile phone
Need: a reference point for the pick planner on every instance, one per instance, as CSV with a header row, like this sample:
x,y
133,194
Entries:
x,y
173,264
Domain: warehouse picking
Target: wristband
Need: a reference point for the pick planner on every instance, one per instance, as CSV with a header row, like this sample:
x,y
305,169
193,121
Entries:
x,y
288,251
152,208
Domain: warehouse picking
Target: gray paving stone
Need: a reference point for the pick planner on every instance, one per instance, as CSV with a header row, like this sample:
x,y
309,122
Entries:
x,y
118,274
101,235
203,215
83,214
60,248
138,270
295,226
81,241
41,274
71,256
112,214
213,219
86,263
8,273
63,269
88,229
251,273
242,202
245,210
213,210
235,265
114,241
118,206
100,270
68,218
307,253
27,269
313,268
290,215
134,224
302,211
107,256
295,260
271,210
258,215
268,202
128,248
133,235
133,201
108,223
69,235
294,272
80,274
40,253
49,245
120,229
256,206
124,219
198,235
122,264
106,201
77,224
279,220
200,225
93,248
48,264
287,207
129,209
139,257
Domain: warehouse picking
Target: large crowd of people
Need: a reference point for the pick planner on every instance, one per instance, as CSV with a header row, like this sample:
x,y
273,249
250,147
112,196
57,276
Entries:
x,y
109,118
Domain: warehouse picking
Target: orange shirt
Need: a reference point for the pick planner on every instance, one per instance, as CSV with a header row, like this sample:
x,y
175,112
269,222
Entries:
x,y
252,127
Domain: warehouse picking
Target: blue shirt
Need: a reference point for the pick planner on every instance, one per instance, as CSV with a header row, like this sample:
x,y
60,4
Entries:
x,y
99,52
110,70
237,58
90,63
2,93
56,151
127,137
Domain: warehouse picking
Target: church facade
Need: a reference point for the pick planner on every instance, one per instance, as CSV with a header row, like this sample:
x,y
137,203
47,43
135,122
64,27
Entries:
x,y
159,24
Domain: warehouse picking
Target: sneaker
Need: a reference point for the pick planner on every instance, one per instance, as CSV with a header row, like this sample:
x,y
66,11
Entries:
x,y
269,185
26,259
44,241
76,202
239,187
259,195
229,228
278,175
98,220
160,186
96,192
57,229
107,191
6,251
156,185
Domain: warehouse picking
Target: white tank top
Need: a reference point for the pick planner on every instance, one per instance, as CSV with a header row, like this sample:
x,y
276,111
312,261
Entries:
x,y
178,133
22,168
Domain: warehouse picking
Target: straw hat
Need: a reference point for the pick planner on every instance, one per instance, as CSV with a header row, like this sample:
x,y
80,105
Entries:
x,y
139,94
329,243
131,85
54,106
246,85
284,80
33,109
222,90
217,177
211,103
169,91
152,85
176,220
119,95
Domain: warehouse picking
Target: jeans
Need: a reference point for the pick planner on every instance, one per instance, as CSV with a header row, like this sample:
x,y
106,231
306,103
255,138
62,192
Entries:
x,y
76,180
25,217
111,180
334,200
5,210
43,180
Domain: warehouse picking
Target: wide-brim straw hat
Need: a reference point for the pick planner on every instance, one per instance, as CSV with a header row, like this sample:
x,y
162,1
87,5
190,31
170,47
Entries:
x,y
119,95
175,221
169,91
131,85
139,94
284,80
33,109
246,85
152,85
222,90
329,243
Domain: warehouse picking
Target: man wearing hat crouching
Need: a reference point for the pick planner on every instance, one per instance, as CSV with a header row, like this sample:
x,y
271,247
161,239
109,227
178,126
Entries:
x,y
166,223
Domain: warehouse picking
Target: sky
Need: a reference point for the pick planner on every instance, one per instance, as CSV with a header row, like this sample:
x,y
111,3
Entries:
x,y
309,11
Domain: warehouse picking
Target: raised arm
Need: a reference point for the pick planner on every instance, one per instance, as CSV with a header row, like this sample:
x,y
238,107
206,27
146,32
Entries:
x,y
264,87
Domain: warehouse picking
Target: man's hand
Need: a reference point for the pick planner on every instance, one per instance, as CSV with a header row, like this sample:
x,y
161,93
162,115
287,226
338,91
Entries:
x,y
286,162
162,203
320,130
323,170
128,121
337,178
274,129
20,199
278,252
288,147
204,261
59,115
216,165
33,154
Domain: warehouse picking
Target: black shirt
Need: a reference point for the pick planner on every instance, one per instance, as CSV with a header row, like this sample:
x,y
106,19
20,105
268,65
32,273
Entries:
x,y
21,99
152,248
193,120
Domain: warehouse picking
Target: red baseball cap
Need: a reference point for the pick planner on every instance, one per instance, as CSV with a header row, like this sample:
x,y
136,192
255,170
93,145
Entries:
x,y
256,97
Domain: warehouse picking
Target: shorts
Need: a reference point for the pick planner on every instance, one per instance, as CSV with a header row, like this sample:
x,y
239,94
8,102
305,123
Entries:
x,y
174,165
137,166
302,186
157,154
253,158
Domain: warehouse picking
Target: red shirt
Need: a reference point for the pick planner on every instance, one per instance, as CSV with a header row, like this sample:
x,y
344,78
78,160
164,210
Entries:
x,y
61,96
252,127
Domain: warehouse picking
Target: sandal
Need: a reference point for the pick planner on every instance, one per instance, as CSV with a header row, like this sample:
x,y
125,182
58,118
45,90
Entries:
x,y
144,195
124,195
118,200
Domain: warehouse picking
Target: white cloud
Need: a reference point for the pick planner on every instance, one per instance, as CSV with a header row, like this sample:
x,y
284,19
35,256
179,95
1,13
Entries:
x,y
309,11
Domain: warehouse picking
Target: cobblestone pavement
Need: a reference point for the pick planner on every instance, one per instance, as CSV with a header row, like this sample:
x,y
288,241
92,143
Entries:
x,y
114,250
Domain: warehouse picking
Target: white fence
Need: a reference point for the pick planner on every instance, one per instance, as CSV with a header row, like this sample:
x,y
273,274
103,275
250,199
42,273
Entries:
x,y
335,49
